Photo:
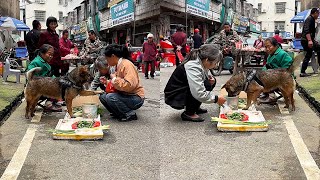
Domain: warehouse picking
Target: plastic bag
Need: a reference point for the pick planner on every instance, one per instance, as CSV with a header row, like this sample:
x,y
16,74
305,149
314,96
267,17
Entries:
x,y
110,88
225,109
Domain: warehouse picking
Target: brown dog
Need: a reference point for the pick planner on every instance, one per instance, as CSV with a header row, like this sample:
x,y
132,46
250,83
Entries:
x,y
67,87
265,81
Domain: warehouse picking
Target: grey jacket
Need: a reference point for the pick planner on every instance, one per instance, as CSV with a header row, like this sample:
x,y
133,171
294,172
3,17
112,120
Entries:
x,y
196,75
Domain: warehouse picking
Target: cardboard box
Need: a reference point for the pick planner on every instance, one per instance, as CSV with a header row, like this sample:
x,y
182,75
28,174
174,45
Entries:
x,y
80,100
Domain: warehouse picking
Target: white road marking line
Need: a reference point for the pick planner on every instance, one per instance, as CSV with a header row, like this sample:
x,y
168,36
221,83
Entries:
x,y
13,170
37,116
307,162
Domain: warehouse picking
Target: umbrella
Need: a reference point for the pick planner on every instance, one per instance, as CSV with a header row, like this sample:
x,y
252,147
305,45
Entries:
x,y
301,16
13,24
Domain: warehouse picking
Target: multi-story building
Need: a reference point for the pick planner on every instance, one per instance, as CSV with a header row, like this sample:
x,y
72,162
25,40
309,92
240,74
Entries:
x,y
10,8
131,20
276,14
308,4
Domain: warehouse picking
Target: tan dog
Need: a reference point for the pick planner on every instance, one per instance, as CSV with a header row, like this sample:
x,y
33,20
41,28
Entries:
x,y
265,81
67,87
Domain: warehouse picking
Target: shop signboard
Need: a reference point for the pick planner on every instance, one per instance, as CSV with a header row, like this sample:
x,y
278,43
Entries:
x,y
113,2
244,24
254,26
122,13
79,31
198,7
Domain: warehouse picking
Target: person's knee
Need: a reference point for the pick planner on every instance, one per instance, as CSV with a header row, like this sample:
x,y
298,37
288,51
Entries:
x,y
112,97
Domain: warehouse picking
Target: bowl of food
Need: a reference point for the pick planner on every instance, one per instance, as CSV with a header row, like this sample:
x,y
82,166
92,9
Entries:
x,y
233,102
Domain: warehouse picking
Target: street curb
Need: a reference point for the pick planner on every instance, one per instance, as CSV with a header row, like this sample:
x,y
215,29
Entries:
x,y
4,114
312,100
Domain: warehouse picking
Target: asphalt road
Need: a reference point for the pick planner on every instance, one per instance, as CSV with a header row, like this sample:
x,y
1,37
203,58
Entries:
x,y
161,146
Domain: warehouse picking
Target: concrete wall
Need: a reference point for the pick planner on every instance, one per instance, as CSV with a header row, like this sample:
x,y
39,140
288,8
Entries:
x,y
269,16
10,8
308,4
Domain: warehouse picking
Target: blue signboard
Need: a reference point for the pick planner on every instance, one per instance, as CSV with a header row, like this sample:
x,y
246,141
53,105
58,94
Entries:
x,y
198,7
122,13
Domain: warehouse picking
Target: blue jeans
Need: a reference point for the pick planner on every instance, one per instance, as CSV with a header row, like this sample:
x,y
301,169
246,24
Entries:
x,y
121,105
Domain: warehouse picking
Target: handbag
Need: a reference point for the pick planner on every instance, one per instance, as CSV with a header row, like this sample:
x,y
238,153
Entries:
x,y
110,88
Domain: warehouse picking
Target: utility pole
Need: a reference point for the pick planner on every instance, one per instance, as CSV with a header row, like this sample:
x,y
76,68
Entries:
x,y
93,13
134,24
186,16
295,13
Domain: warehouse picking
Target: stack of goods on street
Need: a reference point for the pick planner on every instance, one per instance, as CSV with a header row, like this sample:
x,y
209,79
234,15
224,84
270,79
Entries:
x,y
233,118
86,123
168,55
72,57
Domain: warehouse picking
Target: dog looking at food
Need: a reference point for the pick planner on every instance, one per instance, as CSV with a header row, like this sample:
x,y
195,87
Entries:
x,y
66,87
256,82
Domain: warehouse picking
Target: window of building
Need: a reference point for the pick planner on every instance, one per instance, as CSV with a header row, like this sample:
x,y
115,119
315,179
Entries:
x,y
259,7
60,16
40,15
60,2
280,7
279,25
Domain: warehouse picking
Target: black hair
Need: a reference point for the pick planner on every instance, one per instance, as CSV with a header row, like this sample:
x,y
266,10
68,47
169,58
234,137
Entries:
x,y
64,32
50,20
207,51
117,50
35,24
43,49
226,23
179,27
273,41
276,31
314,10
92,32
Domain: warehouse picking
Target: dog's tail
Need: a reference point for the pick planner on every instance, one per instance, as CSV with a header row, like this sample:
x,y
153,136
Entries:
x,y
32,71
296,62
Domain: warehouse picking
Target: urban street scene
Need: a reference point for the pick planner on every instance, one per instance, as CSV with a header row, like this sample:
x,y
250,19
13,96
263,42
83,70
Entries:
x,y
157,89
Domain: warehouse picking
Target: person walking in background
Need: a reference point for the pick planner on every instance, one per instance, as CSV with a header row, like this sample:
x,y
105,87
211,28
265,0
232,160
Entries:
x,y
308,39
149,50
32,39
197,39
51,37
258,44
65,49
277,36
179,41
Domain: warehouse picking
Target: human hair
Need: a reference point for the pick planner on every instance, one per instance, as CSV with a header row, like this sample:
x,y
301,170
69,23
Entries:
x,y
65,31
179,27
101,62
43,49
276,31
117,50
226,24
35,24
50,20
314,10
273,41
207,51
92,32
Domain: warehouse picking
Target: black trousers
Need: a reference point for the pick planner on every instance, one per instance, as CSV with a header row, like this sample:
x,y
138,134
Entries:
x,y
306,59
146,68
192,104
55,70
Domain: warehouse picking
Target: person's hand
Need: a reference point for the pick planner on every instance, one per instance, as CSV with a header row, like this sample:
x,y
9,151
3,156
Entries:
x,y
221,100
103,80
112,75
310,44
212,80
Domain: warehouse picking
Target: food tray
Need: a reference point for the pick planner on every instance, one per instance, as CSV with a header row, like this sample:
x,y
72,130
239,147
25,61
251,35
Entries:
x,y
254,116
80,134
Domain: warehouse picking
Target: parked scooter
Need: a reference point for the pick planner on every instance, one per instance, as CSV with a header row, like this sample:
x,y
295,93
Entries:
x,y
226,64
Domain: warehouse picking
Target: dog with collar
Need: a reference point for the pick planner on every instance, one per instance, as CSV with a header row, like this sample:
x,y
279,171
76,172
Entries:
x,y
66,87
256,82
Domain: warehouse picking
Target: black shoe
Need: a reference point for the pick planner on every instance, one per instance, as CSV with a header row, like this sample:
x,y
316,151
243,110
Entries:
x,y
304,75
152,77
146,77
186,117
201,111
130,118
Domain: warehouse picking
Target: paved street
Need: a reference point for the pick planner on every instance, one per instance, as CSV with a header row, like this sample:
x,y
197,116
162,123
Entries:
x,y
161,146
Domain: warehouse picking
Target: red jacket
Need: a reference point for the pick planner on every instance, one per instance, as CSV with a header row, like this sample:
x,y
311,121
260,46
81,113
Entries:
x,y
278,38
149,51
52,38
65,46
179,39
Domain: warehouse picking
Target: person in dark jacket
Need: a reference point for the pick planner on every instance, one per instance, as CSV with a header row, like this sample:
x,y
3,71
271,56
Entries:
x,y
307,40
179,42
32,39
190,85
197,39
51,37
149,50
